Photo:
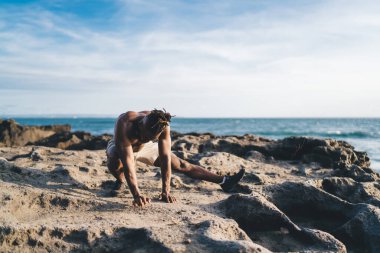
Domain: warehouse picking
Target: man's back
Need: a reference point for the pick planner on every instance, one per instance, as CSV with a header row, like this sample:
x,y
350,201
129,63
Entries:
x,y
128,125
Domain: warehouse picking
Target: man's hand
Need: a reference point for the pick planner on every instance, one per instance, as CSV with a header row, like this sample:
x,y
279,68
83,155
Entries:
x,y
140,201
166,197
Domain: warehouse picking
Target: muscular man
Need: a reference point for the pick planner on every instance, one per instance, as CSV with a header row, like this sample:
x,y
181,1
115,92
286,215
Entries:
x,y
135,139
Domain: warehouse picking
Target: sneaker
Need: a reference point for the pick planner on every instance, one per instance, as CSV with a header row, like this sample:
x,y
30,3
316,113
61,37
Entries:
x,y
118,187
231,181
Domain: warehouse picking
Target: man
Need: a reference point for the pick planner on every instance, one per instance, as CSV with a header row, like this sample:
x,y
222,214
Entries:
x,y
134,140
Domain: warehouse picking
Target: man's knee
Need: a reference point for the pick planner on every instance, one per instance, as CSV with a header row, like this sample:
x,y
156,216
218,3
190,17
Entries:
x,y
113,162
184,165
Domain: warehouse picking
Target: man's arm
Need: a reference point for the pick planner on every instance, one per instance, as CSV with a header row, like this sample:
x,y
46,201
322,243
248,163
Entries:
x,y
164,148
125,152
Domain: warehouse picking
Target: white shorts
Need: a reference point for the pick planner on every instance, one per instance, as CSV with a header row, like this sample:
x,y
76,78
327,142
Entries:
x,y
148,154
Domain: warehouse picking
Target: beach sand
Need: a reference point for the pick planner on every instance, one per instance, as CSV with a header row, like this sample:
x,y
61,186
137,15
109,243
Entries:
x,y
54,200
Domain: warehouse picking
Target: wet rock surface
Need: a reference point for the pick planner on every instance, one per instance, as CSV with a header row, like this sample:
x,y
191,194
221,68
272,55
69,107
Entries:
x,y
298,195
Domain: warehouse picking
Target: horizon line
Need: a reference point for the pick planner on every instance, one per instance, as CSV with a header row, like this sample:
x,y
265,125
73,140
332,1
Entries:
x,y
73,116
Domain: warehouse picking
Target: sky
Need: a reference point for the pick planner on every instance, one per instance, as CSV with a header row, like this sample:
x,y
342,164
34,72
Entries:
x,y
208,58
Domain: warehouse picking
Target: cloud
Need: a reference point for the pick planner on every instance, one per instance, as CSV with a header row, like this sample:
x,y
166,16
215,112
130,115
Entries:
x,y
246,58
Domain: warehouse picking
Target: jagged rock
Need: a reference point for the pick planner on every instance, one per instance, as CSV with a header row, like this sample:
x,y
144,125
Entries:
x,y
352,191
255,156
254,178
257,212
305,204
237,145
190,143
129,239
362,231
13,134
75,141
220,162
329,153
265,222
358,173
46,239
9,171
293,198
59,136
225,237
36,155
45,192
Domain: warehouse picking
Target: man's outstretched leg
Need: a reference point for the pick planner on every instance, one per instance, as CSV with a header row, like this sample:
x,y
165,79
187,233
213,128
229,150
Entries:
x,y
198,172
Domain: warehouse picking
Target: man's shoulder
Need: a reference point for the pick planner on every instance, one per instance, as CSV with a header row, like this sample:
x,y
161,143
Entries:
x,y
134,114
130,115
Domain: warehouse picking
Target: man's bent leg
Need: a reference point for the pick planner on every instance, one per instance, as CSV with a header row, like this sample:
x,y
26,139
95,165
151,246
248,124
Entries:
x,y
116,168
192,170
114,164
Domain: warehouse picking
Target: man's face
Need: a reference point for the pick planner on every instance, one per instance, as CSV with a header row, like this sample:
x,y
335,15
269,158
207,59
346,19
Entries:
x,y
148,136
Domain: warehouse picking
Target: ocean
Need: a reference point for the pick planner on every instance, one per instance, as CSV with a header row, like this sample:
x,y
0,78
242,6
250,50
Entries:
x,y
363,134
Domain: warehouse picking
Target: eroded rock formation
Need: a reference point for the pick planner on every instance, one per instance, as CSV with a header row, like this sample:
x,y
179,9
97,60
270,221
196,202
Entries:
x,y
298,195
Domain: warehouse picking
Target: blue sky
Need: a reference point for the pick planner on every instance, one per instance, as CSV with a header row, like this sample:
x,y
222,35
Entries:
x,y
194,58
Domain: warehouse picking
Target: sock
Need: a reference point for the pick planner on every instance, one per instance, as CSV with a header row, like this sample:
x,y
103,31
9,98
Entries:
x,y
224,180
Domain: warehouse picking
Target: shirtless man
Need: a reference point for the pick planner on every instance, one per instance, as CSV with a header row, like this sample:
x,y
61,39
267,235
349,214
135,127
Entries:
x,y
135,137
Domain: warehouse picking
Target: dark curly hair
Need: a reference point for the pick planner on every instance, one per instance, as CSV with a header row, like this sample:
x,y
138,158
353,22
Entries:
x,y
158,120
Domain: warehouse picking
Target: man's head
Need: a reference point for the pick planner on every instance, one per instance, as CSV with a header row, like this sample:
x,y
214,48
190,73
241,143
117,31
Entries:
x,y
156,121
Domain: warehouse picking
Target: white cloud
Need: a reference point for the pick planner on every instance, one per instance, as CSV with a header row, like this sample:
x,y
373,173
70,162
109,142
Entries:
x,y
313,60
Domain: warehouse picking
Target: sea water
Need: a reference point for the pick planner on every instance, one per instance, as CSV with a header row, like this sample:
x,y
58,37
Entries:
x,y
363,134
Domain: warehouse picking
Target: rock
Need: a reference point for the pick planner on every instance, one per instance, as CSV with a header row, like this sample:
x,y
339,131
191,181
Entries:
x,y
255,211
327,152
13,134
225,237
291,202
220,162
296,199
75,141
254,178
313,207
352,191
338,155
58,136
190,144
237,145
135,240
255,156
266,223
9,171
47,239
36,155
362,231
358,173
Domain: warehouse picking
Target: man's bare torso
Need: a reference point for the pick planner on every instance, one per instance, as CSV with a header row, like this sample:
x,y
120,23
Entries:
x,y
133,133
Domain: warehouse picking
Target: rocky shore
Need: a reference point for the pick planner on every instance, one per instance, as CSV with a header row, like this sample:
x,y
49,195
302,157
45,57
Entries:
x,y
299,194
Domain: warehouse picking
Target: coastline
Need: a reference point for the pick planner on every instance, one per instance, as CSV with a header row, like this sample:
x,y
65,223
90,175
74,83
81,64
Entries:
x,y
362,133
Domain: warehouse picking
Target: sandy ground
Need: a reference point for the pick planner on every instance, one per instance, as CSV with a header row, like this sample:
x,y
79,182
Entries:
x,y
59,200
